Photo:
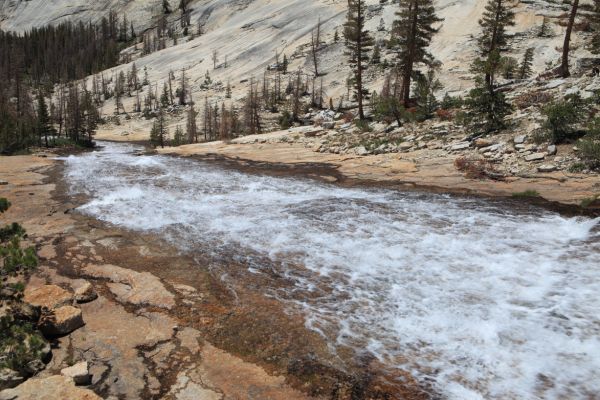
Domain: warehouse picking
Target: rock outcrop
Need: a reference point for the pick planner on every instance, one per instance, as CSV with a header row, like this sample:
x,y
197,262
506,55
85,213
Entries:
x,y
53,388
138,288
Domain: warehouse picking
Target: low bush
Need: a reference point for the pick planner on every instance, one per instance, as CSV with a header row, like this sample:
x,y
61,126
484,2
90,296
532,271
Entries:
x,y
561,117
476,168
589,151
526,193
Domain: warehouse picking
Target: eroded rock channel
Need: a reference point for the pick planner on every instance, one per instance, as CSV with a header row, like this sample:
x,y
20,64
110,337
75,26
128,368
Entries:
x,y
214,283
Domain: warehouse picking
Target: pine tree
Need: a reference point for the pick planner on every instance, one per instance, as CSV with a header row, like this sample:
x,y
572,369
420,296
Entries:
x,y
284,67
190,125
525,69
159,132
493,39
164,97
413,31
425,89
183,88
178,137
359,43
376,57
564,66
489,107
44,128
545,30
228,91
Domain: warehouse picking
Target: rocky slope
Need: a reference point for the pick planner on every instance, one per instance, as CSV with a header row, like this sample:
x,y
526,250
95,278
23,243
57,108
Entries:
x,y
248,33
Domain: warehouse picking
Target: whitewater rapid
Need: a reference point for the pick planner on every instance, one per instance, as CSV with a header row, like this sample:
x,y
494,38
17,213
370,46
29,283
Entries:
x,y
481,300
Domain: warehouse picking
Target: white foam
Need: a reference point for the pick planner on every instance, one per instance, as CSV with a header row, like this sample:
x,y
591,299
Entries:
x,y
485,301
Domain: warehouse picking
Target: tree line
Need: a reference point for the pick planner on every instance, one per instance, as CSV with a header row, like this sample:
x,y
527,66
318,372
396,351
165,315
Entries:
x,y
32,63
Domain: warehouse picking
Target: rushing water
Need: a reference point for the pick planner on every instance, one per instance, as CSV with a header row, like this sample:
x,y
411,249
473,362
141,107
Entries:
x,y
485,301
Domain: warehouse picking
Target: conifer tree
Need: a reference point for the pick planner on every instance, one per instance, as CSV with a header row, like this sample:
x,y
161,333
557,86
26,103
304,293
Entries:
x,y
164,97
525,69
359,43
427,85
284,67
190,125
545,30
487,105
159,132
497,17
413,31
43,119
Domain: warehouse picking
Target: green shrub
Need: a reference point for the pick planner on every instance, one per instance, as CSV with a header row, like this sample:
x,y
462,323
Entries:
x,y
589,151
588,201
363,126
577,167
285,120
4,204
561,116
526,193
487,110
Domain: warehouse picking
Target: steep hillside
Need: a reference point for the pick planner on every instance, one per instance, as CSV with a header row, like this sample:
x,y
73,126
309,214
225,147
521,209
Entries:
x,y
249,33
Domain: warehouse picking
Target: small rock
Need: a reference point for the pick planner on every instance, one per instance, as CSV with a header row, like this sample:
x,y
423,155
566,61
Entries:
x,y
49,296
551,150
535,157
460,146
547,168
328,125
64,320
479,143
85,293
405,146
361,151
79,373
520,139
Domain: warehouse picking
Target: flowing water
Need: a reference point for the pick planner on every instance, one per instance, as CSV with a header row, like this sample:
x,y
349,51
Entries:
x,y
480,299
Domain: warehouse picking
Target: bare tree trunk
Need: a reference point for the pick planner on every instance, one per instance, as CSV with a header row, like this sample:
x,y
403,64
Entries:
x,y
315,42
564,67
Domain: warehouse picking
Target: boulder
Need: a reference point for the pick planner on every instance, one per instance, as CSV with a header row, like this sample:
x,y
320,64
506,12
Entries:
x,y
63,320
547,168
535,157
49,296
53,388
520,139
85,293
79,372
328,125
551,150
